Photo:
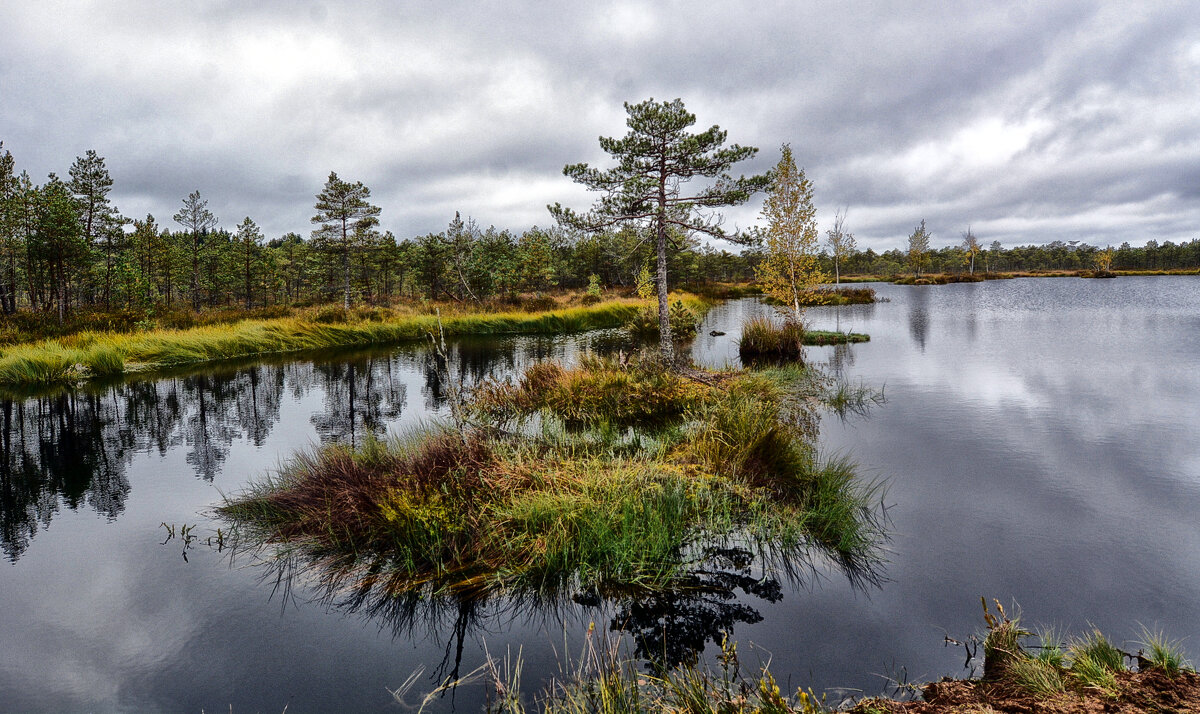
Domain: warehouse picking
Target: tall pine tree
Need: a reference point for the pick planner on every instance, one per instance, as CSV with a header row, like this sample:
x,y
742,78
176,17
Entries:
x,y
342,209
654,160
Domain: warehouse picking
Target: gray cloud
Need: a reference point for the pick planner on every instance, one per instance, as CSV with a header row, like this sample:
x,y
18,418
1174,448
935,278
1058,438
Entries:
x,y
1032,123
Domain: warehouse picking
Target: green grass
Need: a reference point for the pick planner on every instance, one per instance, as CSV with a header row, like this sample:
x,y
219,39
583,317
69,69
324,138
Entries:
x,y
601,680
1037,676
1088,674
571,498
763,338
1161,653
599,392
88,355
1095,647
829,337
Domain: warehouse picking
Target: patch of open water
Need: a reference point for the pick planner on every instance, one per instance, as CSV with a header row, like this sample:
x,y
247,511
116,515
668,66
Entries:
x,y
1039,440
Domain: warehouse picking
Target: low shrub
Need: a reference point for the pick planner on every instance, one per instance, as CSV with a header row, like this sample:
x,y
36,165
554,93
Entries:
x,y
330,315
538,303
682,320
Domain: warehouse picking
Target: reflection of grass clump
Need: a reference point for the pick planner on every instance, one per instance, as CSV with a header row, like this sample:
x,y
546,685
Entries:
x,y
526,503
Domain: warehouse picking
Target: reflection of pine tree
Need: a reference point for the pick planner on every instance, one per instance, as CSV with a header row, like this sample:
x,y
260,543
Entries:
x,y
208,429
674,626
360,396
258,393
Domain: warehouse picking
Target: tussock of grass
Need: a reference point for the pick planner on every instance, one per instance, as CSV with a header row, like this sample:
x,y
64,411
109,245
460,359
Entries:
x,y
504,514
1037,676
602,681
601,506
598,392
765,339
86,355
762,338
1161,653
1095,647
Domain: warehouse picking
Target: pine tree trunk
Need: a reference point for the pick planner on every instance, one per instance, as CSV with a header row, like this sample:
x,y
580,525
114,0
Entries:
x,y
345,268
195,273
664,309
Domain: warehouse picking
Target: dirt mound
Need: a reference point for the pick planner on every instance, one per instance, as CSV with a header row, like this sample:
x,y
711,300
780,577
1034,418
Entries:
x,y
1150,691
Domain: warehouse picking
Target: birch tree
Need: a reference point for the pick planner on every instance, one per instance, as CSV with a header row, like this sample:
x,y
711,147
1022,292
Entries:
x,y
841,244
789,271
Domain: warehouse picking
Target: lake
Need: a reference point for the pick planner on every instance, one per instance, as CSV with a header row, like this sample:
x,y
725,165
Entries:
x,y
1038,441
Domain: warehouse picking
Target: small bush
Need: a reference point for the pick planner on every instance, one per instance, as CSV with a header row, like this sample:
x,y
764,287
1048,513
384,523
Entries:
x,y
683,322
330,314
589,299
538,303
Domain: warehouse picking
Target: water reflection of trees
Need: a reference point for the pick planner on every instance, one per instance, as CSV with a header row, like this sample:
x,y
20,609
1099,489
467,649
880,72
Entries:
x,y
62,450
918,316
72,448
666,627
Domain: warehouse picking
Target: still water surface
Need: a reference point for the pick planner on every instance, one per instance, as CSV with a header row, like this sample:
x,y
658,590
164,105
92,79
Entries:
x,y
1039,442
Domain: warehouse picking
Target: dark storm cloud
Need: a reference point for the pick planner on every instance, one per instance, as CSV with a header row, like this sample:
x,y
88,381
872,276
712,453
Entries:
x,y
1031,122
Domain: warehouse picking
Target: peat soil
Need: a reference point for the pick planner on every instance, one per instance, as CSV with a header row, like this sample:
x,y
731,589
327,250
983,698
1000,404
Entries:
x,y
1149,691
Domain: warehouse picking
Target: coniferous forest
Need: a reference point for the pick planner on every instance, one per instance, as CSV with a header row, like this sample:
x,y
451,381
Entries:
x,y
66,249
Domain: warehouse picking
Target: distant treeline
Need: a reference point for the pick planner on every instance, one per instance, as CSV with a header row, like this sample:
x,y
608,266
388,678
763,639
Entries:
x,y
64,247
1056,256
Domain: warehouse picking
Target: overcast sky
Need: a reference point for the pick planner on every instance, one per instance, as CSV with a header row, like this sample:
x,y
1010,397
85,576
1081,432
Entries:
x,y
1028,121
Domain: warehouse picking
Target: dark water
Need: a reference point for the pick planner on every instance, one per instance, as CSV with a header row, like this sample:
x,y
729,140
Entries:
x,y
1039,441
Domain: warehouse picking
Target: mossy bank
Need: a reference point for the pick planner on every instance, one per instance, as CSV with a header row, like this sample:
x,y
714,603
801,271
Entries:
x,y
89,355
